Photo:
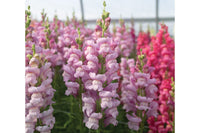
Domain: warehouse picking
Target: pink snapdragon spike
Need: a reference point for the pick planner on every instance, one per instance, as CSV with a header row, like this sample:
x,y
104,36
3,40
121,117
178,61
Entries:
x,y
73,56
101,68
33,101
124,39
129,91
161,56
138,93
108,95
94,82
143,41
165,117
132,32
39,94
90,70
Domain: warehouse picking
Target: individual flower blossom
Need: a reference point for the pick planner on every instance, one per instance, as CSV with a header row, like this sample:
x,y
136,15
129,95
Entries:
x,y
153,111
143,103
89,102
142,79
134,121
104,46
72,88
96,82
107,96
131,64
151,91
93,121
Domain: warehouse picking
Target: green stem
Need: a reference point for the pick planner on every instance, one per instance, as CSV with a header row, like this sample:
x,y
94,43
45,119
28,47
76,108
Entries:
x,y
141,93
103,30
98,106
72,103
98,103
98,130
80,105
47,38
173,131
142,122
71,106
48,45
103,33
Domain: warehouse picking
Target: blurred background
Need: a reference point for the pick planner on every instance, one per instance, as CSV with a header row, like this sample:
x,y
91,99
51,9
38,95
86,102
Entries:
x,y
143,12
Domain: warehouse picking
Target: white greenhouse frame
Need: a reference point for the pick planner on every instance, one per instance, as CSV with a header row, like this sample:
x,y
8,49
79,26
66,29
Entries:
x,y
156,19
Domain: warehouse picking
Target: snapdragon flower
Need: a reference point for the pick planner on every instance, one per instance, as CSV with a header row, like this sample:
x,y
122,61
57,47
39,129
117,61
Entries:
x,y
39,94
138,94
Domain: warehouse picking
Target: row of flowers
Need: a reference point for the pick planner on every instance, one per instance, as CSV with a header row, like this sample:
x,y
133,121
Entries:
x,y
99,71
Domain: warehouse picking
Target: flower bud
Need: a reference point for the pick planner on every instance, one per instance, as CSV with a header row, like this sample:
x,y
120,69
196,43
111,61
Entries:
x,y
107,14
29,56
103,17
108,19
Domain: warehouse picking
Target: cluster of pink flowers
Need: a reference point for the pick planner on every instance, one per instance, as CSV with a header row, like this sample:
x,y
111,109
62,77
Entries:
x,y
90,70
138,94
143,41
132,32
125,40
166,109
104,68
161,56
39,94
